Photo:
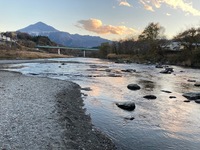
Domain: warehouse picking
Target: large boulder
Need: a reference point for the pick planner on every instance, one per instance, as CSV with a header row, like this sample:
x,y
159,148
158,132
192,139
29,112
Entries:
x,y
150,97
192,95
130,106
133,87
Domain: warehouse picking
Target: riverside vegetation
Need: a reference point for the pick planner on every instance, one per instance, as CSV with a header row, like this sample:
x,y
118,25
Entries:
x,y
152,46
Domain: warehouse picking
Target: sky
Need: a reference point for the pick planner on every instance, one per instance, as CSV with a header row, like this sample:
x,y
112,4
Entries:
x,y
110,19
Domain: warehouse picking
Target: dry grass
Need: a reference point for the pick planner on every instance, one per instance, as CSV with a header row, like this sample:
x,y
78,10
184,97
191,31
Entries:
x,y
18,54
115,56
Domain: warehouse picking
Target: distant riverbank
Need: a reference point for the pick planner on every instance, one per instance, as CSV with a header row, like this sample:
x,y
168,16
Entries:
x,y
172,60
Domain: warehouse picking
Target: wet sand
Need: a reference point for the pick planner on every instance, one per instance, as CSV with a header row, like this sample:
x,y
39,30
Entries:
x,y
45,114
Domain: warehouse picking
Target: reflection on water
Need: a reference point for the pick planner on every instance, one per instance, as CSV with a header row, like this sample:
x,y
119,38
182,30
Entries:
x,y
162,123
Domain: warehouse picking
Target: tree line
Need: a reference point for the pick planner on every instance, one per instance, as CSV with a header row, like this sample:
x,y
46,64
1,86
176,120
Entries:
x,y
153,46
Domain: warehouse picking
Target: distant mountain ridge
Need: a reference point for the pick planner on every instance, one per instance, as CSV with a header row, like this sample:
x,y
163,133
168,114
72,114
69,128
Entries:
x,y
63,38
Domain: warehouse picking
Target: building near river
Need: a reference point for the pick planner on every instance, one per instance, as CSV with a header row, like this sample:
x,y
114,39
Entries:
x,y
173,46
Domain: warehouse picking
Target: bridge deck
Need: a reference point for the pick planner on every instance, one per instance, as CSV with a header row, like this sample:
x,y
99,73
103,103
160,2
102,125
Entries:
x,y
70,48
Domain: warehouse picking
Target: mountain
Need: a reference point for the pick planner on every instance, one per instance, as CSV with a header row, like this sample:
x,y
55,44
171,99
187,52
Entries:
x,y
63,38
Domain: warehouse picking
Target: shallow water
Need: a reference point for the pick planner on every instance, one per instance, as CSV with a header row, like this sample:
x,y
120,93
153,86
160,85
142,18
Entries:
x,y
162,123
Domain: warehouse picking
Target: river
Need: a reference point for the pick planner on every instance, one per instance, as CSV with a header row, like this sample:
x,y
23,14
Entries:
x,y
161,124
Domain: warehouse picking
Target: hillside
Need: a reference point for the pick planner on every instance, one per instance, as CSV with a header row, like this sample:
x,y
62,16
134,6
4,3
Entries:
x,y
22,46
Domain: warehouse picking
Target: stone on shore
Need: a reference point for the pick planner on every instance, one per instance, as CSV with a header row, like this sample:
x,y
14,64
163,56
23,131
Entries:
x,y
133,87
130,106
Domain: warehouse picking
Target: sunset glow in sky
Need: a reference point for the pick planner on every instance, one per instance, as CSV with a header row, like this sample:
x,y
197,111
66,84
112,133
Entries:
x,y
111,19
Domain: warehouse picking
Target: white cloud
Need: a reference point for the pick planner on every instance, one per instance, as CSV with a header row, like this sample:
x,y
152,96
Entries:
x,y
176,4
146,5
186,7
124,3
96,26
167,14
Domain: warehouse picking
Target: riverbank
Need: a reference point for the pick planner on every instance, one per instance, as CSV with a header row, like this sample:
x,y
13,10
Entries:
x,y
42,113
24,54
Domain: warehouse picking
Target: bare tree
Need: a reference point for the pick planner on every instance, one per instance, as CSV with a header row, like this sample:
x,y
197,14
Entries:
x,y
190,38
152,32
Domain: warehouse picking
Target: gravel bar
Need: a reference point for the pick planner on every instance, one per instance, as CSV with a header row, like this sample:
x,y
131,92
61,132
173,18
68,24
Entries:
x,y
45,114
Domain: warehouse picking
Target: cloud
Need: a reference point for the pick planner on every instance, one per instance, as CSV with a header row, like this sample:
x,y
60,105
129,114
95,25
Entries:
x,y
176,4
156,3
96,26
167,14
124,3
146,5
186,7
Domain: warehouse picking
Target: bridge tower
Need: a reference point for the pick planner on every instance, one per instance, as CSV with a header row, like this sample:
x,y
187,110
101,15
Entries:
x,y
83,53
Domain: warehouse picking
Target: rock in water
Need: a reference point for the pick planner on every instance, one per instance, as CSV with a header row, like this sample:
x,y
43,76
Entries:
x,y
167,70
86,89
197,101
197,84
159,66
186,101
190,80
130,106
129,118
172,97
166,91
150,97
133,87
192,95
129,70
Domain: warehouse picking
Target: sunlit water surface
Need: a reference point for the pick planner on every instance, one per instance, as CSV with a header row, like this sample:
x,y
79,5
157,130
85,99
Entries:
x,y
162,123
